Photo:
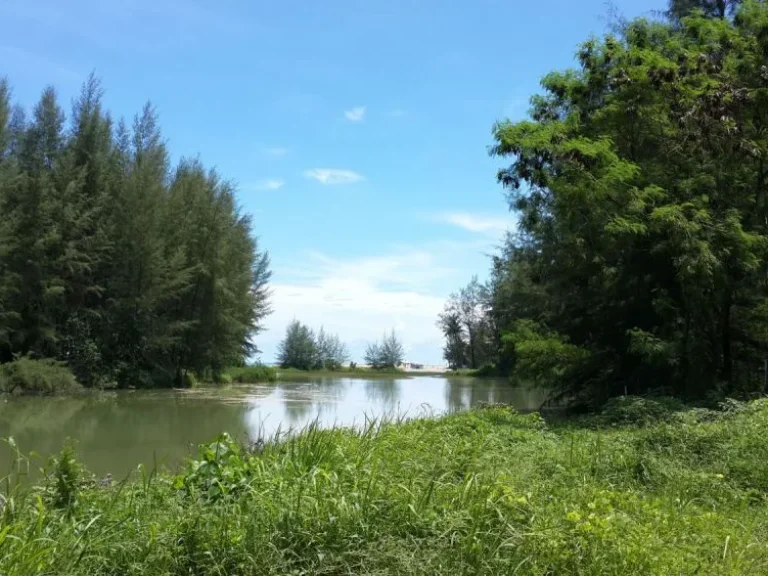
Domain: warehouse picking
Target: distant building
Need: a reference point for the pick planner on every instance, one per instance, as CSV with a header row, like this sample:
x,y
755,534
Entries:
x,y
409,366
412,366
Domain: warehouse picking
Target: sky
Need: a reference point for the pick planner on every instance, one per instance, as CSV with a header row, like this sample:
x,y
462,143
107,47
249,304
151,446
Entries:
x,y
357,131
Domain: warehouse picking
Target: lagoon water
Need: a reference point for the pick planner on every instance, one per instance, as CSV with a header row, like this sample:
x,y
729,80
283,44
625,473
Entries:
x,y
116,431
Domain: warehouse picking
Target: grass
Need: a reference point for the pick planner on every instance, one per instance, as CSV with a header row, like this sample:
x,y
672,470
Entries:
x,y
252,374
484,492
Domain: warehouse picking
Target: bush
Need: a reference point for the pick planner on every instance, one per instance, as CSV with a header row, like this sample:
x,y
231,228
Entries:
x,y
66,478
223,470
189,380
487,371
44,377
253,374
637,411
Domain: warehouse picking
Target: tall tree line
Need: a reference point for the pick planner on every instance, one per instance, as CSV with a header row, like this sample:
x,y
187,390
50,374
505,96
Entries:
x,y
130,270
640,183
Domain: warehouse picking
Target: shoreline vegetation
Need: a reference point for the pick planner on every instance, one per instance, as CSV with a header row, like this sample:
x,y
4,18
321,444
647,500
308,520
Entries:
x,y
130,269
50,378
636,271
637,180
645,487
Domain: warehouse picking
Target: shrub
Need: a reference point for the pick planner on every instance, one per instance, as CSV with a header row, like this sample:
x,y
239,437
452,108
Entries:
x,y
253,374
637,411
28,376
487,371
189,380
67,473
221,471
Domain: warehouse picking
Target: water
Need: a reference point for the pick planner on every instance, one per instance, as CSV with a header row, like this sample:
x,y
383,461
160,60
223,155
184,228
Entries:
x,y
116,431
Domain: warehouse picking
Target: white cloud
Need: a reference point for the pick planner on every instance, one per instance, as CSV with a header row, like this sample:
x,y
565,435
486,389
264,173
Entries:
x,y
398,113
361,298
275,151
271,184
476,222
331,176
356,114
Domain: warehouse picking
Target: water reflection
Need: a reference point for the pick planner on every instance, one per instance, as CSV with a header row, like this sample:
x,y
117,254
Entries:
x,y
384,392
117,431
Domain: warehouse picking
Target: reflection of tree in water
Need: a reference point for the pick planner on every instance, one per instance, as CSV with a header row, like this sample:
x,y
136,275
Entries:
x,y
385,392
115,432
463,393
307,401
483,393
456,394
296,412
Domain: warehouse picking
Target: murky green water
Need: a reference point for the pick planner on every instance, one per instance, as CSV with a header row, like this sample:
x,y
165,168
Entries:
x,y
115,431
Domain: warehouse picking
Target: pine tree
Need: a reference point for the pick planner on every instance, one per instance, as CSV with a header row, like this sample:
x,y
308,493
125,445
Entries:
x,y
30,213
108,262
298,349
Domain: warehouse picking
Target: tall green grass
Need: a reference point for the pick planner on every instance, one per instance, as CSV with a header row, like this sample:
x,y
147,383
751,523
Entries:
x,y
252,374
484,492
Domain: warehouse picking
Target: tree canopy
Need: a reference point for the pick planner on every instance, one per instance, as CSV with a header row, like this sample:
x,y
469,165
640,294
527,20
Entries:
x,y
639,181
387,354
303,349
128,269
469,339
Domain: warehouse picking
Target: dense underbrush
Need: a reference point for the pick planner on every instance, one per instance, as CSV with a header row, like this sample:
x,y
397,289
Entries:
x,y
489,491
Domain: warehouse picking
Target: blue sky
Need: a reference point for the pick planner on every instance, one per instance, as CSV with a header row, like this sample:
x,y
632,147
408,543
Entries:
x,y
357,131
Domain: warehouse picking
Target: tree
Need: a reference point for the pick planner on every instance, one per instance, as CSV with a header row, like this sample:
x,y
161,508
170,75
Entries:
x,y
372,355
711,8
639,183
331,352
128,271
298,349
466,325
388,354
454,350
392,352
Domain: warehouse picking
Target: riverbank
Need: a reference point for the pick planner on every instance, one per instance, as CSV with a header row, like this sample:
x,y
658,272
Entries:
x,y
487,491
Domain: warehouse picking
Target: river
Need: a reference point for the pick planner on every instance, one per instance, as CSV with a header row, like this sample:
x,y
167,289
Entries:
x,y
116,431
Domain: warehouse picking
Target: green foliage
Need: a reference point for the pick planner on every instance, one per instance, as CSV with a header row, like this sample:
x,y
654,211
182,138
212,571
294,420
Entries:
x,y
489,491
469,340
302,349
679,9
29,376
543,356
66,479
331,353
253,374
637,411
639,185
129,271
222,471
387,355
